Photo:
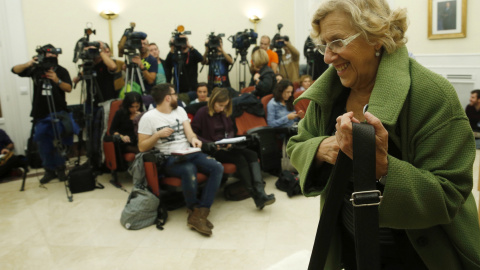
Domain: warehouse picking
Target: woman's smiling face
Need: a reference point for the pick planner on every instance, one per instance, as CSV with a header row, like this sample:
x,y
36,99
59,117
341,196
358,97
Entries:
x,y
356,64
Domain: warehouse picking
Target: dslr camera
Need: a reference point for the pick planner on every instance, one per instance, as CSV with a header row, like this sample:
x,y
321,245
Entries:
x,y
278,40
214,41
242,40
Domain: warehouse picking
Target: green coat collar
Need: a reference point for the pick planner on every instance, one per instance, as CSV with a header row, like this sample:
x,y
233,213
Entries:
x,y
386,100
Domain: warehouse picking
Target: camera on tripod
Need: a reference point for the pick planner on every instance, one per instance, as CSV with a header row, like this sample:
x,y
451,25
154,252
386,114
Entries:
x,y
133,45
278,40
179,40
242,40
309,49
81,51
214,41
44,63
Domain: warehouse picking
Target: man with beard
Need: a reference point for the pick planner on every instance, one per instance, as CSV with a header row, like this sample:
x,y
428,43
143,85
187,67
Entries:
x,y
54,81
168,129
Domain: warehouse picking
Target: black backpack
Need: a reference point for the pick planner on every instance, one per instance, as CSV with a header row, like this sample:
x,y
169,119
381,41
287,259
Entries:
x,y
288,182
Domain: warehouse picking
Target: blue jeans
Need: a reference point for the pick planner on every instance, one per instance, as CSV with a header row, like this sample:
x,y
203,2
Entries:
x,y
186,168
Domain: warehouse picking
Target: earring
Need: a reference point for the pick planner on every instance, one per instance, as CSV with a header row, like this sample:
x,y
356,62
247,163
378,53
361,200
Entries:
x,y
377,54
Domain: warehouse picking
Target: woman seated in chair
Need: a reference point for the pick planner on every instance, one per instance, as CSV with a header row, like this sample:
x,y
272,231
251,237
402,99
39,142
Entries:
x,y
122,123
264,78
305,82
212,123
281,112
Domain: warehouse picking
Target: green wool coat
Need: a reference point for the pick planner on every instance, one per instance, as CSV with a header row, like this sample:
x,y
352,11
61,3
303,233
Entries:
x,y
428,190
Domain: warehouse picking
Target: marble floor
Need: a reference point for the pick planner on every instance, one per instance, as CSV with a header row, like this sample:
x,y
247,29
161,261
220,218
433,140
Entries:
x,y
40,229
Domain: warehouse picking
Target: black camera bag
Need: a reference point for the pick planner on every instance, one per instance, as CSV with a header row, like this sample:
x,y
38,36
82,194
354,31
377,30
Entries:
x,y
81,178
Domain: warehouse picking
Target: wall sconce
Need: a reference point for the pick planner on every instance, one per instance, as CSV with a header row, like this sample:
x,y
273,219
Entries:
x,y
255,20
109,15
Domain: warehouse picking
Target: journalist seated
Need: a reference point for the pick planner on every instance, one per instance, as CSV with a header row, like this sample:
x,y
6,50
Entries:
x,y
167,128
213,123
280,109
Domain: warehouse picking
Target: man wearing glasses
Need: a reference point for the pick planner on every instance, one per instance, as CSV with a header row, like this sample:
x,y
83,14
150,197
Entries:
x,y
168,129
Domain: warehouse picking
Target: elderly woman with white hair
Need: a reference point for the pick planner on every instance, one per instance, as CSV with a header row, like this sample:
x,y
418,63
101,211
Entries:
x,y
424,145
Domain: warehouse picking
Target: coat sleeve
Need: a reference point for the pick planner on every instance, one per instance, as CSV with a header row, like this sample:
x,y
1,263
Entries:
x,y
302,149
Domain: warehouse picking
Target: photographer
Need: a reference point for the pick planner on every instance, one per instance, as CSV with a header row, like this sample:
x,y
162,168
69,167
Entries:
x,y
219,62
45,74
182,64
105,67
146,62
289,65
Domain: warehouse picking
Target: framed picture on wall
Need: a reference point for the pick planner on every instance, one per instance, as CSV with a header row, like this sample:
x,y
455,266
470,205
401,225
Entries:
x,y
447,19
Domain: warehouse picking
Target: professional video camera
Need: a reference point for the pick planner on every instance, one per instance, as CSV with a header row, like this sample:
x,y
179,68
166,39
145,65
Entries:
x,y
242,40
278,40
44,63
179,40
134,43
84,42
214,41
309,49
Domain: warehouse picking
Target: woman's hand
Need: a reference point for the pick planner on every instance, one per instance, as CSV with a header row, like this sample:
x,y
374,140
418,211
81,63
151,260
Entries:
x,y
125,139
292,115
327,151
344,138
5,151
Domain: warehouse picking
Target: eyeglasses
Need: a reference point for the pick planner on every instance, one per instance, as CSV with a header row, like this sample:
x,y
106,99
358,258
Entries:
x,y
336,46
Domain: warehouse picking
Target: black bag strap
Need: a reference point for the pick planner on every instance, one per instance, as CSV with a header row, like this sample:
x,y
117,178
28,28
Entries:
x,y
364,138
365,198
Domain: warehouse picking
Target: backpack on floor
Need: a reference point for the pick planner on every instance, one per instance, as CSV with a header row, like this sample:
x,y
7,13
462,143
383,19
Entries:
x,y
289,182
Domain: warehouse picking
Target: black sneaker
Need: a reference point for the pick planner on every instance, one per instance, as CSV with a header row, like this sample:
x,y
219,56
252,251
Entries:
x,y
48,176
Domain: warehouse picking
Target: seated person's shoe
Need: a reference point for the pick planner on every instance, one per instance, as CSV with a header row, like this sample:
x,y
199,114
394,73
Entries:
x,y
48,176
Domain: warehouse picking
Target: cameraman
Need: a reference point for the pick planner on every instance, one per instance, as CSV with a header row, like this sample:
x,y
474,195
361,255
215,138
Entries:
x,y
146,62
58,77
185,69
289,66
105,68
218,66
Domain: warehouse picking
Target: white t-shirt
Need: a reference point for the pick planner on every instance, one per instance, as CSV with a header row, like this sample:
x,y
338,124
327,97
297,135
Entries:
x,y
153,121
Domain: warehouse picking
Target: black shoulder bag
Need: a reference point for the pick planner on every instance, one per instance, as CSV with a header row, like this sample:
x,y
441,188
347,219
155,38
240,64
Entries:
x,y
365,200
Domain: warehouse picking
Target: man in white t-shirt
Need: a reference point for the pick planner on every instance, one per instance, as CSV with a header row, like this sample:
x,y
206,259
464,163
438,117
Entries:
x,y
167,128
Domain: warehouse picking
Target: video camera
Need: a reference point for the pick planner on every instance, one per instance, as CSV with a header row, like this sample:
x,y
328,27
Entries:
x,y
43,63
214,41
179,42
309,49
133,45
278,40
242,40
84,42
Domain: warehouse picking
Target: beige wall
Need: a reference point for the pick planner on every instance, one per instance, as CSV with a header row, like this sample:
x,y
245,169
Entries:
x,y
62,23
417,33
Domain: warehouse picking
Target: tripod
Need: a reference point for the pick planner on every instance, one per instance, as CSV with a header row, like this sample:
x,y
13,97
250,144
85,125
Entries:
x,y
132,70
178,62
54,119
90,88
244,62
281,62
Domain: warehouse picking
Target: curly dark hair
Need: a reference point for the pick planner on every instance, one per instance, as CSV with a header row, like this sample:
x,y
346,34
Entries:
x,y
280,87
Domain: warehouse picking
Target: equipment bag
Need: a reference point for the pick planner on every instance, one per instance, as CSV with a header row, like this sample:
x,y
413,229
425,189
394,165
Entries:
x,y
288,182
141,209
236,192
81,179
